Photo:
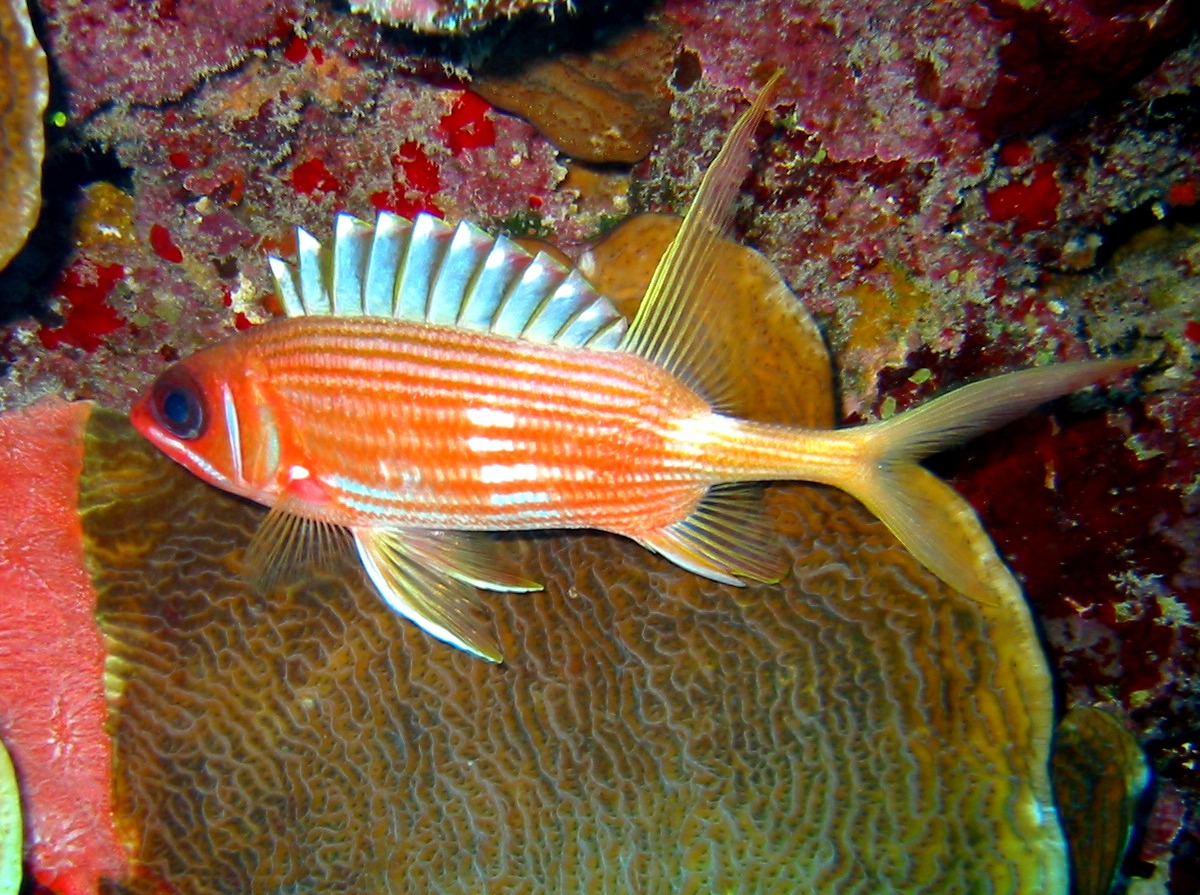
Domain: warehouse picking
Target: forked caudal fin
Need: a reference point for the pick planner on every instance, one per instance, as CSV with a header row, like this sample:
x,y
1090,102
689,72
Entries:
x,y
928,516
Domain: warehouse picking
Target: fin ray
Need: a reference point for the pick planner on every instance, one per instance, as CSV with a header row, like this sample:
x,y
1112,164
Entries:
x,y
310,261
351,249
286,543
392,233
929,517
470,557
430,579
455,274
670,328
416,277
726,538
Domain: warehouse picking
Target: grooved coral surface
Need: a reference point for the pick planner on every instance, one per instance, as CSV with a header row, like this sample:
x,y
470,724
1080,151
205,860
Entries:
x,y
24,86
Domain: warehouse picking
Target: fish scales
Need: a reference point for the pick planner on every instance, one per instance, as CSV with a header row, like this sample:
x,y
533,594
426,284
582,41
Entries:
x,y
451,429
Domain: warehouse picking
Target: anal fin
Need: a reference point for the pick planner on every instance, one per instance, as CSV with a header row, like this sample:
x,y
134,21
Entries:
x,y
725,538
430,578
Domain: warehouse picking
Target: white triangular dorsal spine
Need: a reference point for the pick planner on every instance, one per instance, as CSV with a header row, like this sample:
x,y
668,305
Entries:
x,y
427,271
456,274
499,271
286,286
392,234
351,248
521,306
427,247
314,293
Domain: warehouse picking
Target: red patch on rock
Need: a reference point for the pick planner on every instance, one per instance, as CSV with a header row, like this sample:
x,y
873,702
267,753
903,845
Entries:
x,y
466,125
415,182
1184,193
181,161
1031,205
313,176
1015,153
296,50
85,286
163,245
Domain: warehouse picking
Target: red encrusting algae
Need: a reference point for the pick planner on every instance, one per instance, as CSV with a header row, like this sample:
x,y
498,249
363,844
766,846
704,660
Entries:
x,y
415,181
313,176
467,125
1031,205
86,287
163,245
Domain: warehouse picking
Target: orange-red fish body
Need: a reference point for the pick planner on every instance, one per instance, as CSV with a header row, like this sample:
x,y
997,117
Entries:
x,y
369,422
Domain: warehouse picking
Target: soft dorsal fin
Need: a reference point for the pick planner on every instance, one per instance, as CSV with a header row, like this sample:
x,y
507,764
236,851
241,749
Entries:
x,y
670,328
427,271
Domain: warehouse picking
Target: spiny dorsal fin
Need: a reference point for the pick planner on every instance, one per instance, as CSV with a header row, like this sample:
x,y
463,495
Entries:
x,y
427,271
670,328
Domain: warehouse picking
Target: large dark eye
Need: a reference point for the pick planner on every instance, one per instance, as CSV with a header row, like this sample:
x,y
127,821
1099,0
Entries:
x,y
179,405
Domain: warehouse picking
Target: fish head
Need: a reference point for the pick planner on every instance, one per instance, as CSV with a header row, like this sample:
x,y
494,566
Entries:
x,y
193,413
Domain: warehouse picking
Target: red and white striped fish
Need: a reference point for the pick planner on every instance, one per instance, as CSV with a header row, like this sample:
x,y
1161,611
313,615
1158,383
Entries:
x,y
431,383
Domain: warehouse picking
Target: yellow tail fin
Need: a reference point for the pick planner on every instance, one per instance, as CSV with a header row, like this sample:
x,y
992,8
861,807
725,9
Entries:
x,y
933,521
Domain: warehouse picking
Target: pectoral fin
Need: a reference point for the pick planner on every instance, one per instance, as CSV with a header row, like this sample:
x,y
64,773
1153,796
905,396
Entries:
x,y
287,542
431,578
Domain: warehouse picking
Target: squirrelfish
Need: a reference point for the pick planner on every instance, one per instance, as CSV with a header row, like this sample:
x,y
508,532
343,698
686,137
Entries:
x,y
431,384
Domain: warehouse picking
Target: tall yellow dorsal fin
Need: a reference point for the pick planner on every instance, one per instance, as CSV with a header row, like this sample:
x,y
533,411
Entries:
x,y
670,327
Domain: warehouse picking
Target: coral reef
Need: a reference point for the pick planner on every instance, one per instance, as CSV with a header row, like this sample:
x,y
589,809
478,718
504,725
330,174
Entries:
x,y
776,739
111,52
24,87
1100,774
954,188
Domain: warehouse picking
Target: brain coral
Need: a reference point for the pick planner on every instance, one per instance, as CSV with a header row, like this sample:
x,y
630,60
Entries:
x,y
855,729
24,86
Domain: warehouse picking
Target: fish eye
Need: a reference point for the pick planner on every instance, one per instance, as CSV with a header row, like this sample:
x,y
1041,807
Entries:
x,y
179,406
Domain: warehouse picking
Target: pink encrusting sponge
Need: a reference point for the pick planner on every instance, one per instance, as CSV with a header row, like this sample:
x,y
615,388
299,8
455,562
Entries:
x,y
52,709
